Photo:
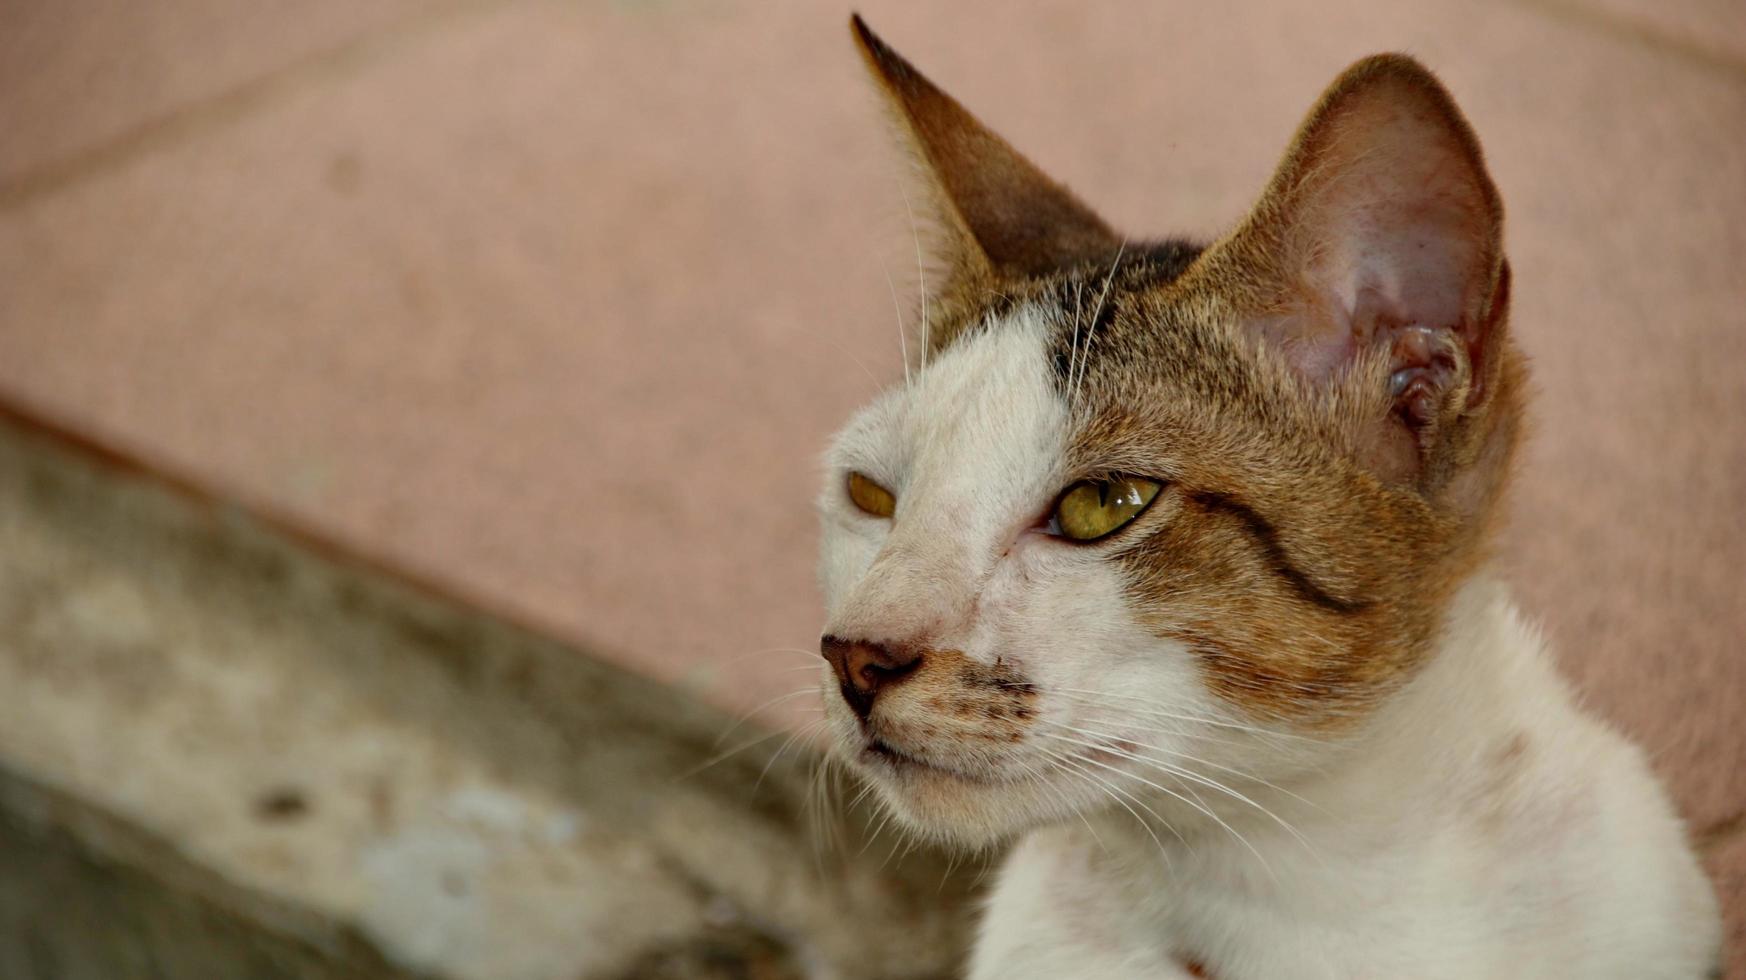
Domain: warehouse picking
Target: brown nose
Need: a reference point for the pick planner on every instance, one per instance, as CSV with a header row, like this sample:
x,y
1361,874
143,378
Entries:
x,y
864,669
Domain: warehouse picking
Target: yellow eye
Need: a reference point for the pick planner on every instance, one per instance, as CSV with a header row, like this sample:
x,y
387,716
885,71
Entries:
x,y
871,497
1091,509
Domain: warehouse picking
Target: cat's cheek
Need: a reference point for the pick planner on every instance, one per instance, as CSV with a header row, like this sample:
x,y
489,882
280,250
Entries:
x,y
1088,650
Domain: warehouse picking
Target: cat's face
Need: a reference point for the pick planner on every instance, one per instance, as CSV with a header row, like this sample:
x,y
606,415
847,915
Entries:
x,y
1148,515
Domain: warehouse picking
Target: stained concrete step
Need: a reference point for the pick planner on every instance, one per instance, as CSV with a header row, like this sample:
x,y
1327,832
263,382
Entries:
x,y
223,753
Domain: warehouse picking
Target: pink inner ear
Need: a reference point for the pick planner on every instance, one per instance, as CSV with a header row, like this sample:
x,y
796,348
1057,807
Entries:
x,y
1391,228
1372,284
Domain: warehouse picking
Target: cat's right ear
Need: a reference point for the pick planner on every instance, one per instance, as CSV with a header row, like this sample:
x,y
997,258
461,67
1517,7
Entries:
x,y
1002,218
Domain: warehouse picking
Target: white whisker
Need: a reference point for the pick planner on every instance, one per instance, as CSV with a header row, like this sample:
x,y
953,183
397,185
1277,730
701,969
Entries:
x,y
805,732
766,706
878,828
1182,773
1073,348
1085,361
920,272
1067,808
902,342
1161,713
1111,791
1202,807
724,756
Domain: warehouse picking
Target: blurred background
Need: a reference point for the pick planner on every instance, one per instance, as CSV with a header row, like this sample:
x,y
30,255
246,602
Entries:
x,y
552,305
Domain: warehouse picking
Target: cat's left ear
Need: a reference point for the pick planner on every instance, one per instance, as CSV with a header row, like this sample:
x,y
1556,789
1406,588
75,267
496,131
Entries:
x,y
1380,239
1002,217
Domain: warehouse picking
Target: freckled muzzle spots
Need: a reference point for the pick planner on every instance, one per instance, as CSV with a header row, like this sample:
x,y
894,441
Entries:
x,y
952,702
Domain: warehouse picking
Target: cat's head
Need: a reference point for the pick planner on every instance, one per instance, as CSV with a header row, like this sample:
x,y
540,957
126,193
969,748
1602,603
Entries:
x,y
1159,501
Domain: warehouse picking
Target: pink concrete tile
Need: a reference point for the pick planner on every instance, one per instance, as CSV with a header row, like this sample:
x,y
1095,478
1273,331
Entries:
x,y
522,310
74,73
558,305
1712,29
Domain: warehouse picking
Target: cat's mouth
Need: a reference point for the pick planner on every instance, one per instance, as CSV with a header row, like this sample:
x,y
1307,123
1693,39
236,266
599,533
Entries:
x,y
884,756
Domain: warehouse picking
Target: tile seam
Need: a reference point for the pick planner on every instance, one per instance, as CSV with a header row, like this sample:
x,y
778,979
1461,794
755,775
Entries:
x,y
1684,49
240,101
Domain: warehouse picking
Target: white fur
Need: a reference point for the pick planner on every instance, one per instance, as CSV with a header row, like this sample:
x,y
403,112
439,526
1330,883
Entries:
x,y
1477,825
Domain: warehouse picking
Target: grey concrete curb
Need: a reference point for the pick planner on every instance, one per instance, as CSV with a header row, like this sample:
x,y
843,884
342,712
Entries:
x,y
223,754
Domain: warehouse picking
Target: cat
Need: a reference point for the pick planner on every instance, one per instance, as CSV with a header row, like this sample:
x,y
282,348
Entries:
x,y
1169,566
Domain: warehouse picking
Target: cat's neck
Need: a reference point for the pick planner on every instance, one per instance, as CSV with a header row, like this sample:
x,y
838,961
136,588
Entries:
x,y
1488,691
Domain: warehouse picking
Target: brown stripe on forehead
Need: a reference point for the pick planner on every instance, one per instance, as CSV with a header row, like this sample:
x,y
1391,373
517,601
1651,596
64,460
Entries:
x,y
1090,295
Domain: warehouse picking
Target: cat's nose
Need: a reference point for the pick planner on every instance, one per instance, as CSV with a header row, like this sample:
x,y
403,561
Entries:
x,y
864,668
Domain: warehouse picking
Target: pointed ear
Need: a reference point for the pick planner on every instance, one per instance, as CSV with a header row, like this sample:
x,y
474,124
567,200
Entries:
x,y
1003,217
1377,251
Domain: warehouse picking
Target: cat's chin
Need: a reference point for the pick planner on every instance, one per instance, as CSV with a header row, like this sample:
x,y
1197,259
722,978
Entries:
x,y
958,807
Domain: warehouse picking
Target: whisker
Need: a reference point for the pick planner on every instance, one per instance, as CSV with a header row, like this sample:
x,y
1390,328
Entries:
x,y
920,272
866,791
885,817
910,840
766,706
1109,280
805,732
1073,348
976,885
1211,783
1180,727
945,876
1166,790
1066,804
1093,697
721,757
897,842
1190,758
1182,773
1129,720
790,670
1251,777
1089,828
824,820
1111,791
877,384
902,343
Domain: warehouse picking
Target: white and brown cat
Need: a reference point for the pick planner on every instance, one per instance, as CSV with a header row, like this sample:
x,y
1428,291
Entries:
x,y
1169,563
